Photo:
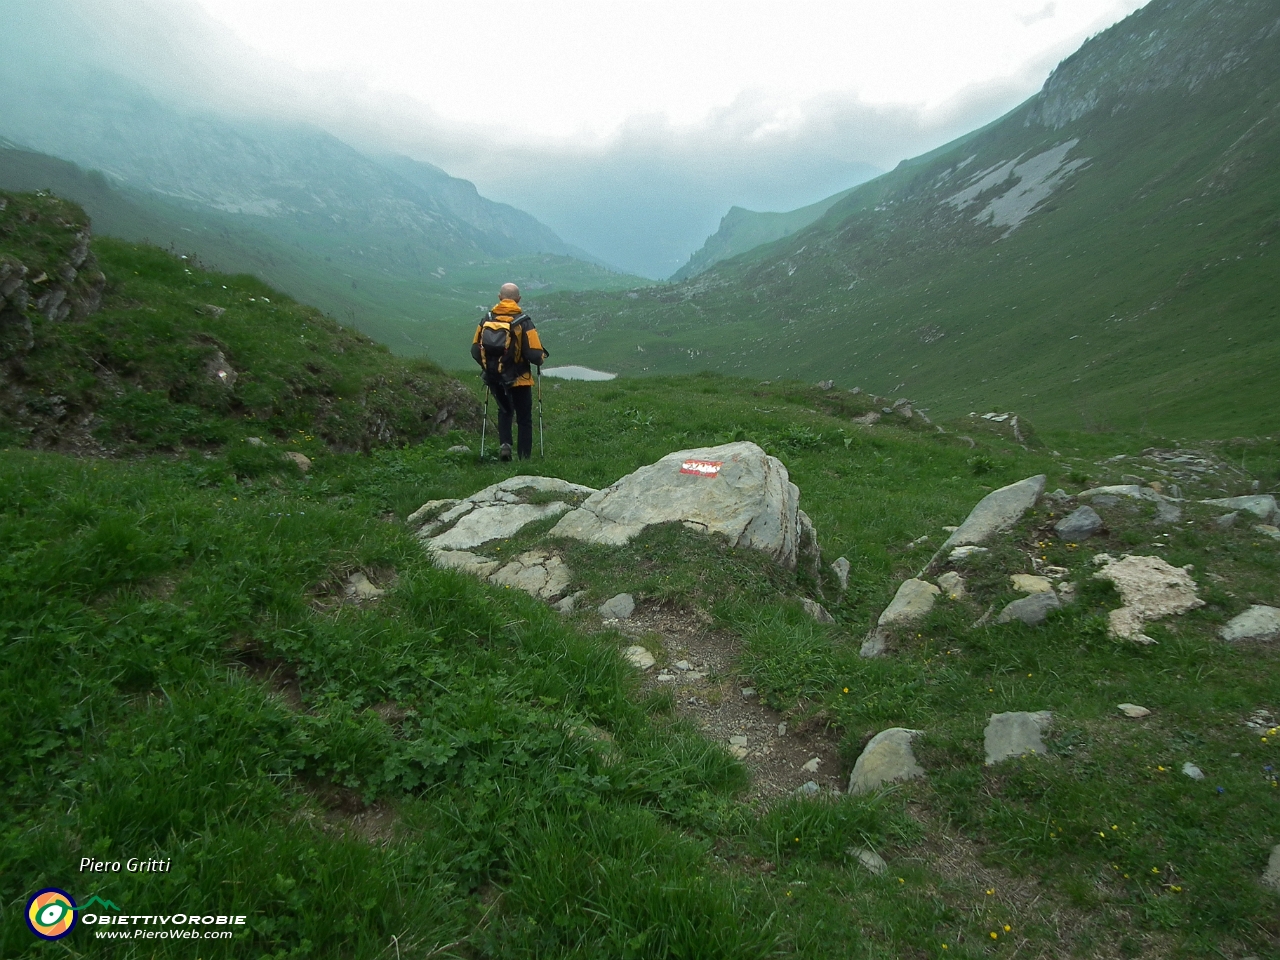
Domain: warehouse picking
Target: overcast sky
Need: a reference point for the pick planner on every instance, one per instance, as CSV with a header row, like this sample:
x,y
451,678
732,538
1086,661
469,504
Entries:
x,y
628,126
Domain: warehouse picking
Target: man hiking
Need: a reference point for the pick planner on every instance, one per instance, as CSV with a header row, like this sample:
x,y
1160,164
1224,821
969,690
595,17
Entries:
x,y
505,345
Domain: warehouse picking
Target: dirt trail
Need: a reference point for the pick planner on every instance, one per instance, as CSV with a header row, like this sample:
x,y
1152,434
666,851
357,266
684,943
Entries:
x,y
711,694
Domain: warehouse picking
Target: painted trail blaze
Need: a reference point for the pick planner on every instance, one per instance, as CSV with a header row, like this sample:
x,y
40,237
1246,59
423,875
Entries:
x,y
702,468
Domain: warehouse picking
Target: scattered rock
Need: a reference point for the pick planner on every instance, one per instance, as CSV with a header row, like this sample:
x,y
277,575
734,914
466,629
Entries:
x,y
567,605
537,573
964,553
782,729
1058,496
1261,506
952,585
1132,490
997,512
1032,610
1133,711
1030,583
748,692
639,657
1192,771
1267,530
1167,512
619,607
809,788
816,610
1271,877
210,310
255,441
874,645
1226,521
683,666
886,759
1105,500
221,372
1014,734
868,419
1080,524
665,677
869,859
459,448
735,489
840,567
304,464
913,600
812,765
1066,592
359,588
826,384
1258,623
1151,589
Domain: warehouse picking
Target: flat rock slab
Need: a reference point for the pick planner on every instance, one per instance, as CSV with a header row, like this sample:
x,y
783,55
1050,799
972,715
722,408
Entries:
x,y
1271,877
869,859
735,489
1262,506
496,522
1133,710
885,759
466,561
1258,623
1134,491
997,512
1032,610
1030,583
537,573
1151,589
618,607
913,601
1015,735
1080,524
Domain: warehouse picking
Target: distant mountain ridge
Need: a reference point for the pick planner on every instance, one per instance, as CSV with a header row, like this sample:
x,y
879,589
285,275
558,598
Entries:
x,y
1102,255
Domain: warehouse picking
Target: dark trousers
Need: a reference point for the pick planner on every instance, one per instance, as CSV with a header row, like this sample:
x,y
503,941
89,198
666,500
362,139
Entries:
x,y
517,403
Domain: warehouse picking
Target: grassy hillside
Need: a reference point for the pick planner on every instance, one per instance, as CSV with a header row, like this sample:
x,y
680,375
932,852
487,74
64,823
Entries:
x,y
1138,291
417,307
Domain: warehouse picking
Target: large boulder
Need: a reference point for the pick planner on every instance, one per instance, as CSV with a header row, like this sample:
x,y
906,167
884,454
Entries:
x,y
735,489
997,512
1262,506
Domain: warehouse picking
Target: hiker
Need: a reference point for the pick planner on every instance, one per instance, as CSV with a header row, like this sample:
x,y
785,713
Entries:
x,y
505,345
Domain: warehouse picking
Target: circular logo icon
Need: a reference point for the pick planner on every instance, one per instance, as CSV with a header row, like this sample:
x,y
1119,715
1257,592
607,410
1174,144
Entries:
x,y
51,913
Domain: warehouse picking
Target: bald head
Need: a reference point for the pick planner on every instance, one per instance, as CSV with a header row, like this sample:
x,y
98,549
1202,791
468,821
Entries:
x,y
509,291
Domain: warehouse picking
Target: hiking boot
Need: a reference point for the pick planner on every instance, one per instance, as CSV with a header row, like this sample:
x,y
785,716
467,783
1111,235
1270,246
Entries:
x,y
504,453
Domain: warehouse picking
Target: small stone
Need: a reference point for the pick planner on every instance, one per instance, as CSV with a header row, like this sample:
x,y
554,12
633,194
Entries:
x,y
826,384
812,765
739,753
840,567
748,691
619,607
869,859
254,441
816,610
1167,512
1080,524
1267,530
1192,771
459,448
1258,623
1066,592
1227,520
1133,710
1032,610
1014,734
874,645
359,588
301,460
566,605
964,553
683,665
666,677
1029,583
950,529
693,676
952,584
639,657
808,789
782,729
1271,877
738,741
913,601
886,758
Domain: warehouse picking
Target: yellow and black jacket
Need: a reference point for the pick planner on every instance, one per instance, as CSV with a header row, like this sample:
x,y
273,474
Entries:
x,y
529,349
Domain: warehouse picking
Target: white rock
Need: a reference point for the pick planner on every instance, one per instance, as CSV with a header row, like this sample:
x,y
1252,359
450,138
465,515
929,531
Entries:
x,y
812,765
913,601
1271,877
1259,622
301,459
952,584
738,741
683,665
869,859
1014,734
639,657
1151,589
1029,583
735,489
1192,771
887,758
840,567
359,588
997,512
1132,490
618,607
1133,710
964,553
537,573
816,610
496,522
1262,506
666,678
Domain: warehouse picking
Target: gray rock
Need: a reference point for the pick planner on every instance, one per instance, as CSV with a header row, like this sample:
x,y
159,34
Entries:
x,y
1014,734
809,788
811,765
874,645
1271,877
1262,506
964,553
1134,491
1258,623
952,585
869,859
886,759
1167,512
428,508
537,573
1032,610
816,610
359,588
459,448
735,489
619,607
497,522
1227,520
1105,500
1267,530
840,567
465,561
826,384
255,441
1080,524
1192,771
683,666
913,601
1058,496
997,512
566,606
638,657
1133,710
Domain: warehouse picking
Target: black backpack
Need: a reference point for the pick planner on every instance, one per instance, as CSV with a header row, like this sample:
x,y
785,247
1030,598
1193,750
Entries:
x,y
500,347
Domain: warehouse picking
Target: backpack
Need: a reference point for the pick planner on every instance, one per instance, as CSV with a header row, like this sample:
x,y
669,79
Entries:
x,y
500,347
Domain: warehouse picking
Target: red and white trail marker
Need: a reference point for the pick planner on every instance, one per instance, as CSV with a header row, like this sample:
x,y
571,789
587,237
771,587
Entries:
x,y
702,468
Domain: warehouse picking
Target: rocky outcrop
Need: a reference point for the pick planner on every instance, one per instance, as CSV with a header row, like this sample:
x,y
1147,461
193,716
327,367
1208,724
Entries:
x,y
1151,589
736,490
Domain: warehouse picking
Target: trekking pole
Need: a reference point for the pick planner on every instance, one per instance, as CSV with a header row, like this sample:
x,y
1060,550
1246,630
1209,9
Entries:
x,y
542,446
485,422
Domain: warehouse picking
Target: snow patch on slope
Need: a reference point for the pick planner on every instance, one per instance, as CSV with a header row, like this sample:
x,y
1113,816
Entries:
x,y
1026,184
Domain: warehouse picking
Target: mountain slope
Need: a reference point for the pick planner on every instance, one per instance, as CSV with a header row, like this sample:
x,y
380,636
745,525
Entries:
x,y
1101,256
